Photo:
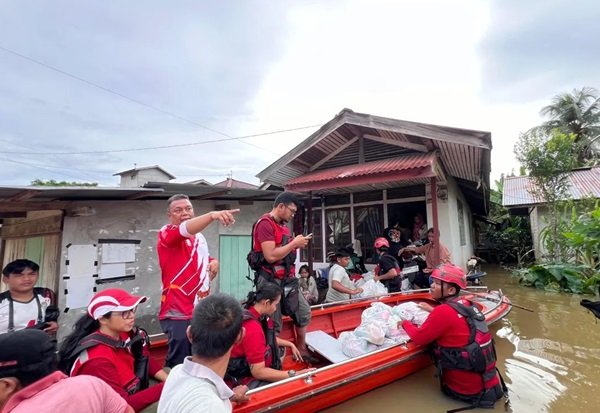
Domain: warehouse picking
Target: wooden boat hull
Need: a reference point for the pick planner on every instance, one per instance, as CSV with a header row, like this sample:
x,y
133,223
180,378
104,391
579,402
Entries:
x,y
335,383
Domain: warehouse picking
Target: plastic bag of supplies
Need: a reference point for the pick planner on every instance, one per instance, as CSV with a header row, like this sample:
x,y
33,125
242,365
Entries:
x,y
354,346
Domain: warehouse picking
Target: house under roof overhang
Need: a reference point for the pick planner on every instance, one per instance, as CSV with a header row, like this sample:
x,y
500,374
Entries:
x,y
359,152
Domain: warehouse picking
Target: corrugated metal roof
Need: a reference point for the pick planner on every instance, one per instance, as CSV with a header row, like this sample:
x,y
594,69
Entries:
x,y
464,153
584,183
420,165
152,190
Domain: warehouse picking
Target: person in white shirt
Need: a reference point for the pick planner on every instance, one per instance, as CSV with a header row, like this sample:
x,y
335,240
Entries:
x,y
197,384
23,305
340,285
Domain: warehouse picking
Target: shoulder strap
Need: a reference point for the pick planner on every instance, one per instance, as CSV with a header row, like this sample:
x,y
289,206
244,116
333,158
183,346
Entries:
x,y
11,308
95,339
468,313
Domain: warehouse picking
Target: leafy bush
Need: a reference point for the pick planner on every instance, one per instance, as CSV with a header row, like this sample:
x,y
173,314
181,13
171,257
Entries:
x,y
580,252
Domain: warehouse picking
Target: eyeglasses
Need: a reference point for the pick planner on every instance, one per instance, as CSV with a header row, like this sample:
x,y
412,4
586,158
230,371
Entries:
x,y
292,210
128,314
178,211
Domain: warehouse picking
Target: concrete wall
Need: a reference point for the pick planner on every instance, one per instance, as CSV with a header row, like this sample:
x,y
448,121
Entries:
x,y
449,223
141,220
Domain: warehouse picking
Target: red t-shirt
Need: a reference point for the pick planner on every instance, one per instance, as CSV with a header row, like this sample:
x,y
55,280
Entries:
x,y
254,344
449,329
265,231
183,260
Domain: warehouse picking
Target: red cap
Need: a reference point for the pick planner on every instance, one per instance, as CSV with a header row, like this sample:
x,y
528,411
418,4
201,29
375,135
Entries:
x,y
113,299
381,242
450,273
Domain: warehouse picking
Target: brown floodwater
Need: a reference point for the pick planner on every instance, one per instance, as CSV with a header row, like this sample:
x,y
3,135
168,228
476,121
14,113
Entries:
x,y
550,360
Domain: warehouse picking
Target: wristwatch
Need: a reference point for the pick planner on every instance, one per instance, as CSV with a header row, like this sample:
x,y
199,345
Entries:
x,y
291,373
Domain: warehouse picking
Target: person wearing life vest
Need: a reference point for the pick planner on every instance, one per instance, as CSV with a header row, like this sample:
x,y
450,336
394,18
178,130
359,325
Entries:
x,y
387,270
464,350
107,344
272,259
255,361
23,305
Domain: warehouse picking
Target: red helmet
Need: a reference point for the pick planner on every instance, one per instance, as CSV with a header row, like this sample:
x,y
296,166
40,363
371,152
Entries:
x,y
450,273
381,242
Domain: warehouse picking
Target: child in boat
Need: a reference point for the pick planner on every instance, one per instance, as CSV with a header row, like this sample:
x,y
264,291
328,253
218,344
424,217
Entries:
x,y
308,285
340,286
255,360
107,344
23,305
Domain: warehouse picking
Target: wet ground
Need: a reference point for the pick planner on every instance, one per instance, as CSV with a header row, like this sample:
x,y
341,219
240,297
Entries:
x,y
550,360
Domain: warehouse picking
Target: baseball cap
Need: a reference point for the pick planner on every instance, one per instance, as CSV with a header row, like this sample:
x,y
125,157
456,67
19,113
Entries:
x,y
25,351
113,299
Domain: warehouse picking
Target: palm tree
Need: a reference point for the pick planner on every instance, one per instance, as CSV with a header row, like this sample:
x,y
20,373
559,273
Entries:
x,y
577,112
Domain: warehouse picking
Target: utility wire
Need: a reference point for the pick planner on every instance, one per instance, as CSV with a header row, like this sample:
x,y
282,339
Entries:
x,y
147,148
139,102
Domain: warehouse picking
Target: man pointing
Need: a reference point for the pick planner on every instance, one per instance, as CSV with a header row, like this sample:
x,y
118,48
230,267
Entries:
x,y
187,270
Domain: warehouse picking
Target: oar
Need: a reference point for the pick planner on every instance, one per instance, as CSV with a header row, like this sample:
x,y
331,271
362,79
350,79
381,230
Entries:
x,y
500,300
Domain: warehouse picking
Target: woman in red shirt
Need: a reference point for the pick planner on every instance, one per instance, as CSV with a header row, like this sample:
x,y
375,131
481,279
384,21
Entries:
x,y
107,344
255,360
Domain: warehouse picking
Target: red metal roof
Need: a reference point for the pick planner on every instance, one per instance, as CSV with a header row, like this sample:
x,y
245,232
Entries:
x,y
413,166
583,183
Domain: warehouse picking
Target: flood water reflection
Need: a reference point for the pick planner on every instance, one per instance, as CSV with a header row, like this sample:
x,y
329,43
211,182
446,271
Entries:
x,y
550,360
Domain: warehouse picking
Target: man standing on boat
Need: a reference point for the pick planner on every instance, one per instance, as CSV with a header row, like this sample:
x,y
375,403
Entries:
x,y
464,350
186,268
272,258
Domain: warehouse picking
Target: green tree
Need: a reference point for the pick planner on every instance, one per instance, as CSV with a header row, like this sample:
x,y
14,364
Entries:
x,y
578,113
52,182
548,158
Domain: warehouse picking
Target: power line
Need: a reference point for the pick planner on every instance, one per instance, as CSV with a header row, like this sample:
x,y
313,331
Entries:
x,y
147,148
139,102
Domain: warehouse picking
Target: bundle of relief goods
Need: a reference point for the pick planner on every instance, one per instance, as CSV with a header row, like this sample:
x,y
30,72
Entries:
x,y
371,288
354,346
380,327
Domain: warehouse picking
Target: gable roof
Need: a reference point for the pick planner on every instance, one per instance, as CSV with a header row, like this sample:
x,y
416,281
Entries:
x,y
583,183
464,153
235,183
145,168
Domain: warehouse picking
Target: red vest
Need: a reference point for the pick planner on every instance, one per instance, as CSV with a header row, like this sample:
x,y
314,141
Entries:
x,y
282,237
121,358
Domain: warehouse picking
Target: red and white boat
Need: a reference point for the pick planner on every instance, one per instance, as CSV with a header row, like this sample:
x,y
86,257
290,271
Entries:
x,y
337,379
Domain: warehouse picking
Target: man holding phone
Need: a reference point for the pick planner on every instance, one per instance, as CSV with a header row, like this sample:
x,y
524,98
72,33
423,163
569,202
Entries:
x,y
274,254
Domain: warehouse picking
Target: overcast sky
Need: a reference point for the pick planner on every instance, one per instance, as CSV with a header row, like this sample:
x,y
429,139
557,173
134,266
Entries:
x,y
90,76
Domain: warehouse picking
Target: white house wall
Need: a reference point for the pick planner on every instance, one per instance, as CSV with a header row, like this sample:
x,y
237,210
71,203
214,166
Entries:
x,y
449,224
141,220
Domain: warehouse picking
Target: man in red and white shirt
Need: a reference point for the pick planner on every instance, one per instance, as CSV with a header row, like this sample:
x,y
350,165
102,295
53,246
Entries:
x,y
187,270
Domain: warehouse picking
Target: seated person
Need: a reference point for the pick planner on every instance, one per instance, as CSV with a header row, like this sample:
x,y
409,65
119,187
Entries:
x,y
355,269
23,305
107,344
308,285
428,250
387,270
340,285
255,360
31,382
418,278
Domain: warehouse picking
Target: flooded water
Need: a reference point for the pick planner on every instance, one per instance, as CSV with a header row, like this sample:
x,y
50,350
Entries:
x,y
550,360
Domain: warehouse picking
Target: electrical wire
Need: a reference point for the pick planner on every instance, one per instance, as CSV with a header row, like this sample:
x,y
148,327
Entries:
x,y
141,103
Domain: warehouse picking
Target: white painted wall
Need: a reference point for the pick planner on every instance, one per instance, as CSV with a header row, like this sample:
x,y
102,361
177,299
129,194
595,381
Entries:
x,y
449,223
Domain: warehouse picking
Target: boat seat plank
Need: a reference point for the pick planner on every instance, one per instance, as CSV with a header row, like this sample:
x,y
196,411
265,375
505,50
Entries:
x,y
322,343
